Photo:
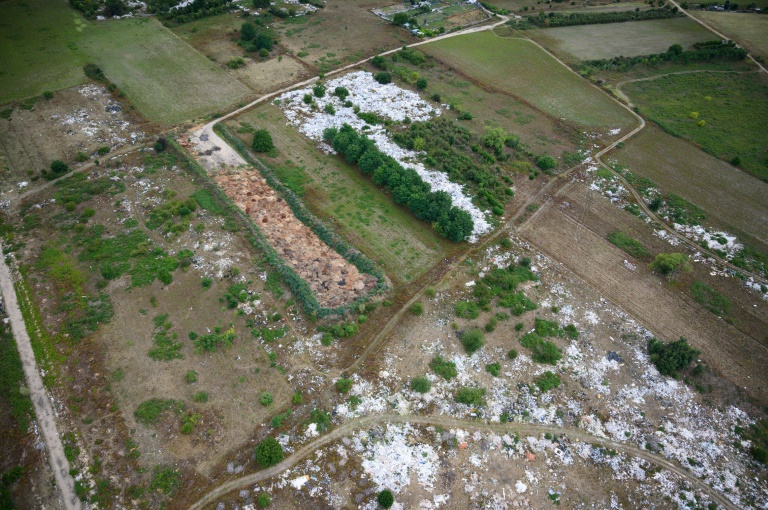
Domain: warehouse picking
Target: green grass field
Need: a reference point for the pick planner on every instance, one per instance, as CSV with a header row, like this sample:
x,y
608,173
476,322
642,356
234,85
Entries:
x,y
731,107
167,80
749,30
39,48
360,211
522,69
592,42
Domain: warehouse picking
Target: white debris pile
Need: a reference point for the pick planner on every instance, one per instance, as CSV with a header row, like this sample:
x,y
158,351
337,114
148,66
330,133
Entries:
x,y
392,460
385,101
715,239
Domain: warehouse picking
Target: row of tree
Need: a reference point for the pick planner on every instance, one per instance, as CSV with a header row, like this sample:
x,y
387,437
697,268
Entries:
x,y
675,54
592,18
405,184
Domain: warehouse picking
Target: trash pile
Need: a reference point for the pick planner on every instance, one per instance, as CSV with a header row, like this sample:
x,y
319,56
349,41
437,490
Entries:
x,y
387,102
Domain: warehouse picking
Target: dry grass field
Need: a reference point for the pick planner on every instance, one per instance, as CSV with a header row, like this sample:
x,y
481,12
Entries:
x,y
749,30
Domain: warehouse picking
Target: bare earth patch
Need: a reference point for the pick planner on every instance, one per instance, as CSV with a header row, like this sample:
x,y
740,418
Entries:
x,y
332,279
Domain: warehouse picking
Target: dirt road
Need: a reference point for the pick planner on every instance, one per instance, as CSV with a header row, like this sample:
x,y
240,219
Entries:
x,y
449,423
46,419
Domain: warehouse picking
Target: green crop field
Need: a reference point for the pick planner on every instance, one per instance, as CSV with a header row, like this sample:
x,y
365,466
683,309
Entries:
x,y
39,48
592,42
522,69
728,195
749,30
340,194
45,45
724,113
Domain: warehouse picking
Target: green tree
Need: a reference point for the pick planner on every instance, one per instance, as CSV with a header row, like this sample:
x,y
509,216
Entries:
x,y
400,19
268,452
262,141
421,83
672,357
472,340
58,167
675,49
546,162
341,92
385,498
383,78
670,264
420,384
318,90
115,8
247,32
343,385
495,138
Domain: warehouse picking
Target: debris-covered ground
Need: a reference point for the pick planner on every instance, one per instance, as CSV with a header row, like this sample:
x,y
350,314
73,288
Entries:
x,y
387,101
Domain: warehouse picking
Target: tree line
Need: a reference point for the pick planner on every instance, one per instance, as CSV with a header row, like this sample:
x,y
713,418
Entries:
x,y
405,184
591,18
702,52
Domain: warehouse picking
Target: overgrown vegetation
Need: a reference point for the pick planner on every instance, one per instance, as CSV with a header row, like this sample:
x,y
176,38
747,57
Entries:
x,y
670,358
149,411
629,245
553,19
12,381
472,340
547,381
444,368
165,347
669,264
471,396
711,51
501,284
544,351
710,299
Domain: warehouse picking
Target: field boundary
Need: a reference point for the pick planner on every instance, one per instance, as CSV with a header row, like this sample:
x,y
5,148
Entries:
x,y
298,285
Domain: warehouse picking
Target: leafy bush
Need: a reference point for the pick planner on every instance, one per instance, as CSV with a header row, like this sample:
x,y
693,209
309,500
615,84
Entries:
x,y
188,422
546,162
670,264
268,452
343,385
211,341
321,419
385,498
200,397
472,340
445,369
470,396
383,77
710,298
421,384
467,310
417,309
547,381
266,398
190,377
494,369
263,500
512,354
672,357
544,351
319,90
262,141
629,245
149,411
165,480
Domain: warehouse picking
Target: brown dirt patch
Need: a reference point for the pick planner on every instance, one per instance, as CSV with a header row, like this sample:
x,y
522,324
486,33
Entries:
x,y
331,278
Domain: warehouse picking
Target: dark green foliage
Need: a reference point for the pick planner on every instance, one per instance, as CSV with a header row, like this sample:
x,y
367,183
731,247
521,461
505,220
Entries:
x,y
400,19
470,396
448,145
417,309
421,83
12,379
420,384
268,452
467,310
211,341
343,330
343,385
672,357
173,216
472,340
412,55
262,141
266,399
94,72
501,283
198,9
406,185
383,77
321,419
341,92
544,351
629,245
546,162
380,62
247,32
710,298
385,498
512,354
149,411
494,369
263,500
58,168
701,53
547,381
592,18
6,480
319,90
445,369
669,264
166,480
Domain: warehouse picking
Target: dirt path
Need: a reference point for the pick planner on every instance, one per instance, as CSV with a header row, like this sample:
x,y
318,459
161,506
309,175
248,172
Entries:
x,y
449,422
46,418
711,29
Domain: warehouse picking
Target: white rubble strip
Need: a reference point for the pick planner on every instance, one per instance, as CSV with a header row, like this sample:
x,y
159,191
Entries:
x,y
386,101
714,239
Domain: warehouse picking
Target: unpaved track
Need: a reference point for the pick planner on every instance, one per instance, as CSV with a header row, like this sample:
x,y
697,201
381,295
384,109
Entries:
x,y
455,423
46,419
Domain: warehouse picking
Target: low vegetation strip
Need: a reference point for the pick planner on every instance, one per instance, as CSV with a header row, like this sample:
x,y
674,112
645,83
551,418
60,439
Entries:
x,y
711,51
591,18
300,288
629,245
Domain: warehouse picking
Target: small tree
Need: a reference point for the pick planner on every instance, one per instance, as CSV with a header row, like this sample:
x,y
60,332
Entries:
x,y
341,92
383,78
400,19
262,141
472,340
318,90
672,357
58,167
670,264
546,162
385,498
421,83
675,49
268,452
261,4
343,385
247,32
421,384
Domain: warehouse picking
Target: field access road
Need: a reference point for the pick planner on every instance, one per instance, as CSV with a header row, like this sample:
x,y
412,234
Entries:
x,y
720,35
457,423
46,418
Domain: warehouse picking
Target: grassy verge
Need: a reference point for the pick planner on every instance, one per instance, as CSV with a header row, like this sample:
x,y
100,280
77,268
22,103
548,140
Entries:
x,y
629,245
12,380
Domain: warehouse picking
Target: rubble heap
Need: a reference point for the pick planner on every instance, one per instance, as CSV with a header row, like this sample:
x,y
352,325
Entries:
x,y
333,280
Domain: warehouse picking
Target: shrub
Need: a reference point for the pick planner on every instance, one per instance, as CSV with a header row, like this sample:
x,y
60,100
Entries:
x,y
417,309
494,369
343,385
628,244
465,116
443,368
268,452
671,358
263,500
467,310
319,90
206,282
341,92
421,83
421,384
472,340
329,109
58,167
670,264
149,411
547,381
470,396
544,351
296,398
166,480
191,377
385,498
546,162
262,141
200,397
383,77
512,354
266,398
235,62
321,419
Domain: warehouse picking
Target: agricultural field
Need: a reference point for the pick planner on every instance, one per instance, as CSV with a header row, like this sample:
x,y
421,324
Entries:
x,y
730,196
336,191
592,42
749,30
720,112
520,73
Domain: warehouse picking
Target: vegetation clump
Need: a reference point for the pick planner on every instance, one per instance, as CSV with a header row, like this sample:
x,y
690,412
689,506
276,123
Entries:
x,y
670,264
268,452
444,368
472,340
262,142
471,396
421,384
629,245
670,358
385,498
547,381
